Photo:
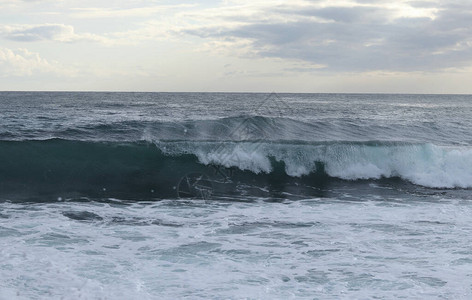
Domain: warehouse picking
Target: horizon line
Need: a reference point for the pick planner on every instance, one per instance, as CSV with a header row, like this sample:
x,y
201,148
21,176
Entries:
x,y
229,92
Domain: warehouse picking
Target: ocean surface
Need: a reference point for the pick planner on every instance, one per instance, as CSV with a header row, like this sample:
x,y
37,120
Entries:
x,y
235,196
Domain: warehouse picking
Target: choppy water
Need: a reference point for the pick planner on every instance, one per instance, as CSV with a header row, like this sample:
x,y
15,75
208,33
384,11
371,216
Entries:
x,y
150,195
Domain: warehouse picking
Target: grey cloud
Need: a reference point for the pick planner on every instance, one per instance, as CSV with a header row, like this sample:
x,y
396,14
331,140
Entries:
x,y
372,1
361,38
423,4
347,14
453,20
46,32
42,32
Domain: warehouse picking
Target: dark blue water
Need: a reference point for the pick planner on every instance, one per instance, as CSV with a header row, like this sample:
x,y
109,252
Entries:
x,y
220,195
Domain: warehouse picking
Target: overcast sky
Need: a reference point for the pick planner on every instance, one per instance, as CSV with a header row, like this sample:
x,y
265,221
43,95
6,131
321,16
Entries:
x,y
237,45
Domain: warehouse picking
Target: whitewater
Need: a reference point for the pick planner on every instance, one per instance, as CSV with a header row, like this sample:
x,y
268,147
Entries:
x,y
235,196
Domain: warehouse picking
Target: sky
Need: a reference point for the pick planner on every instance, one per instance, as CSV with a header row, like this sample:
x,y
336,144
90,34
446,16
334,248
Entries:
x,y
336,46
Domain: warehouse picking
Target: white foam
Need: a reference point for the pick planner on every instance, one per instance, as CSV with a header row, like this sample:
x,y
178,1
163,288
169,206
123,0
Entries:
x,y
324,247
238,156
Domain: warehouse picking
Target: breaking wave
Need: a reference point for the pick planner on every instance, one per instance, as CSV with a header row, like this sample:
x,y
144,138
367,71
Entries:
x,y
422,164
153,170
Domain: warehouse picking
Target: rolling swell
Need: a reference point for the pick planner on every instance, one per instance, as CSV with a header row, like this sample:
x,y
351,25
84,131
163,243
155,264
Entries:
x,y
58,168
205,128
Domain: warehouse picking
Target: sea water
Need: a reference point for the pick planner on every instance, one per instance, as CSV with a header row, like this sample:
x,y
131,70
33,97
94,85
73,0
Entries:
x,y
220,195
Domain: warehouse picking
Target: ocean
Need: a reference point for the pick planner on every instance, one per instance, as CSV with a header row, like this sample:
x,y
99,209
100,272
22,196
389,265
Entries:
x,y
235,196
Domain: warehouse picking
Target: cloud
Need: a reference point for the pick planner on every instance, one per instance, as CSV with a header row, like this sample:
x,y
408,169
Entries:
x,y
342,35
49,32
24,63
107,12
21,62
66,34
333,35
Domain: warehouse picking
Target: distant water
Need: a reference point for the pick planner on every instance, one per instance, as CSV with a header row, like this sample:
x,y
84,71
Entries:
x,y
220,195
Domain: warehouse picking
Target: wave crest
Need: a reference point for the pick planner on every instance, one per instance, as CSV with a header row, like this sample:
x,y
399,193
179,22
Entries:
x,y
422,164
